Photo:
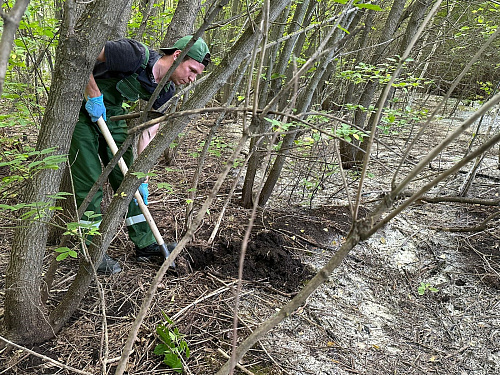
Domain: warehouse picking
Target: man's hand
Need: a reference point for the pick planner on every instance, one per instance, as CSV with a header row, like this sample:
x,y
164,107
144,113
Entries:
x,y
143,189
95,107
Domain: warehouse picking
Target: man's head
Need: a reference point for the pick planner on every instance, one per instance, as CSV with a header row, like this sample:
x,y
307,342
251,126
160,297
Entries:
x,y
198,51
193,64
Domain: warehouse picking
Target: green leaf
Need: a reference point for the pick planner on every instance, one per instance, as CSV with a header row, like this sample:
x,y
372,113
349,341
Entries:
x,y
164,336
63,249
173,361
276,75
62,256
73,254
161,349
369,6
344,30
169,321
173,335
7,207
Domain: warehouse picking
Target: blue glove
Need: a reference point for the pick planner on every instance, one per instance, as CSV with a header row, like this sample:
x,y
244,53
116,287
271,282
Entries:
x,y
95,107
143,189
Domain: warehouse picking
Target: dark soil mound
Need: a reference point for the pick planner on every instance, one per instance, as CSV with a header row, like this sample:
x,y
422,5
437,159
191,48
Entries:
x,y
267,259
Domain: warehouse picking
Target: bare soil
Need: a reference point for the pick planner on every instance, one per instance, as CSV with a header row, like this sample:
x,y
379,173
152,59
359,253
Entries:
x,y
367,319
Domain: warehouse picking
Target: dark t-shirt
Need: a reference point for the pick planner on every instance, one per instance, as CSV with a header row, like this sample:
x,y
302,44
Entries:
x,y
123,58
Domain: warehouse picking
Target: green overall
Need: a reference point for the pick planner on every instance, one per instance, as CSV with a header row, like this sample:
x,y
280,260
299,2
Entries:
x,y
89,148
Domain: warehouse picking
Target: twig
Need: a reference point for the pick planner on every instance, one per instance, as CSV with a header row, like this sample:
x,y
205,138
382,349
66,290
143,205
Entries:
x,y
237,365
477,228
5,371
48,359
483,256
176,317
263,347
310,242
202,157
116,359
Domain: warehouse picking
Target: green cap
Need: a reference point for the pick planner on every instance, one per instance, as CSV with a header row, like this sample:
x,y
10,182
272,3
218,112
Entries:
x,y
198,51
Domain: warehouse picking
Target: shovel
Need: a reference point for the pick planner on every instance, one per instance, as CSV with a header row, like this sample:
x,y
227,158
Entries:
x,y
144,209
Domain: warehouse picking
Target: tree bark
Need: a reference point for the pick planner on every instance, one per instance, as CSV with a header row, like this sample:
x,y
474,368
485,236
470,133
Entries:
x,y
76,54
182,24
284,57
183,21
120,29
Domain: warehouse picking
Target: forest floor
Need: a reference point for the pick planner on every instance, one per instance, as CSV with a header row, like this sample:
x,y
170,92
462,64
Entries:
x,y
369,318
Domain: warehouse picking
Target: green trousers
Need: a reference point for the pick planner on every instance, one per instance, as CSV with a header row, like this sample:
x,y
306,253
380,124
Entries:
x,y
88,149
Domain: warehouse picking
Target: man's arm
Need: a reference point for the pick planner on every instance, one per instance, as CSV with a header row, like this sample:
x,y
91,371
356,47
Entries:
x,y
92,90
146,137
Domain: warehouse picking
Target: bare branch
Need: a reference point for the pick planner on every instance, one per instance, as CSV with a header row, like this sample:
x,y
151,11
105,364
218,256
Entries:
x,y
45,358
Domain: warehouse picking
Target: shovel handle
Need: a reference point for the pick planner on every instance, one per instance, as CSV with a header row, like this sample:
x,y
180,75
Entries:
x,y
123,167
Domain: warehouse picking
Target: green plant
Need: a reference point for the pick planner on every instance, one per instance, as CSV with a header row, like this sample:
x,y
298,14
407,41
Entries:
x,y
173,345
345,132
64,252
89,228
424,287
217,147
393,120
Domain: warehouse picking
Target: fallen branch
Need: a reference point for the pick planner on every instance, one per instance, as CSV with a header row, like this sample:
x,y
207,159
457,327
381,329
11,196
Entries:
x,y
477,228
450,199
45,358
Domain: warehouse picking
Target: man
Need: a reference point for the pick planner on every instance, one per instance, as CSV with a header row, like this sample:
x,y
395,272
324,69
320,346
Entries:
x,y
125,70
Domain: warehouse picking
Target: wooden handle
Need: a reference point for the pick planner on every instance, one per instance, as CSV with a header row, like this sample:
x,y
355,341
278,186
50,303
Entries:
x,y
123,167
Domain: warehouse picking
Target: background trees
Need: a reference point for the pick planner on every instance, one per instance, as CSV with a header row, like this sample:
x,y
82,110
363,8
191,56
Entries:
x,y
277,64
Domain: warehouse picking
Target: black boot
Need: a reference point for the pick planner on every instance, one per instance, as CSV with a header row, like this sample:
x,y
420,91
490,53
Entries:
x,y
152,253
108,266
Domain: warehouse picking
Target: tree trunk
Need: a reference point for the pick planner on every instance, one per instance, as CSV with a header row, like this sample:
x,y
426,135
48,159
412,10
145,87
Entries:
x,y
146,8
66,215
230,35
252,168
182,24
286,52
120,29
183,21
76,54
303,104
418,11
350,155
363,42
253,163
288,48
417,15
